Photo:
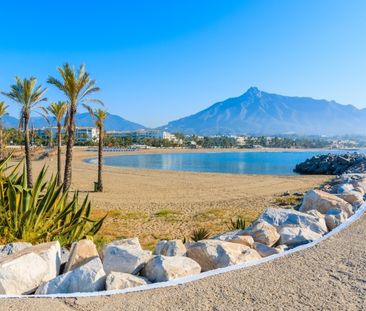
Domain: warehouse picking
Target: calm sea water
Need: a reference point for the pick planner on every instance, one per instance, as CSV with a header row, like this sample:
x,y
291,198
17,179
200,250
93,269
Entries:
x,y
267,163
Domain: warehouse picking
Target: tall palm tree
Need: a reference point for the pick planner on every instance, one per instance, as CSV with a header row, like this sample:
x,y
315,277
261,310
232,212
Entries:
x,y
49,122
99,116
28,95
3,112
76,86
58,111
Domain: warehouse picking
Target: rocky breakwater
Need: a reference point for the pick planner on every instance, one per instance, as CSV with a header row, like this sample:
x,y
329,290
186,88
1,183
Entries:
x,y
333,164
49,269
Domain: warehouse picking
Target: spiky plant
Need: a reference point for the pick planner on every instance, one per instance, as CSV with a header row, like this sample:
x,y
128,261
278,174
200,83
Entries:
x,y
3,112
41,213
200,234
28,95
77,86
237,224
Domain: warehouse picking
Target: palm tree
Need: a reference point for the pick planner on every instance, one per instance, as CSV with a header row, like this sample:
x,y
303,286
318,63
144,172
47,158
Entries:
x,y
47,119
100,116
28,95
58,111
3,108
76,86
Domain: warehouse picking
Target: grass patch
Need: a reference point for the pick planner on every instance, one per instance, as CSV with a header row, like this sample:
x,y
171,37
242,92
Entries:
x,y
289,200
133,215
212,213
166,213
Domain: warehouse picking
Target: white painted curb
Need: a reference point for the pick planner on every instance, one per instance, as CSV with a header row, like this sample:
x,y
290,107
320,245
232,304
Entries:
x,y
202,275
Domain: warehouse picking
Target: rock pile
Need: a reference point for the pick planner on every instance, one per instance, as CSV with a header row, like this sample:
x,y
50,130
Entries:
x,y
333,164
49,269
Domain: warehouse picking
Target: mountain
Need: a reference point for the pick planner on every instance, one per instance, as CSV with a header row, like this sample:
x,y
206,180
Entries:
x,y
260,113
9,121
112,122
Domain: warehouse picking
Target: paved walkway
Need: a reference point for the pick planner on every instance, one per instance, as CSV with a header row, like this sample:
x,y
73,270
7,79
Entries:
x,y
329,276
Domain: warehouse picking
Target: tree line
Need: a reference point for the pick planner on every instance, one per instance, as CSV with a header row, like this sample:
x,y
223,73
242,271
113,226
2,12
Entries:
x,y
78,88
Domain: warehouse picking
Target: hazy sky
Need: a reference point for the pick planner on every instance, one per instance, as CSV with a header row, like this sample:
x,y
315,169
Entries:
x,y
160,60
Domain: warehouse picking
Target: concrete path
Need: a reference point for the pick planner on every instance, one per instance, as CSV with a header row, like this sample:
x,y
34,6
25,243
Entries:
x,y
329,276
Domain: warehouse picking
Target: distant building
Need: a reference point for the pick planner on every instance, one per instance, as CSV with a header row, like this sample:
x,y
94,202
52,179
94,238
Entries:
x,y
82,134
144,134
85,134
240,140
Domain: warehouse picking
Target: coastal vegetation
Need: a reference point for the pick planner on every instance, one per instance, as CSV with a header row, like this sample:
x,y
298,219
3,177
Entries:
x,y
77,86
238,224
99,116
58,111
28,95
200,234
43,212
3,112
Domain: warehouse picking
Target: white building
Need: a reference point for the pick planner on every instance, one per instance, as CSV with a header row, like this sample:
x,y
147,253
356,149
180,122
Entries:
x,y
82,134
143,134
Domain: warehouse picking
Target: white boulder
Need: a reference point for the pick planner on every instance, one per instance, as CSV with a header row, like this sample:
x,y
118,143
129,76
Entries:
x,y
345,187
132,243
263,232
294,236
213,254
125,256
324,201
279,217
119,280
235,236
165,268
24,271
334,218
265,250
170,248
352,197
80,252
89,277
246,240
12,248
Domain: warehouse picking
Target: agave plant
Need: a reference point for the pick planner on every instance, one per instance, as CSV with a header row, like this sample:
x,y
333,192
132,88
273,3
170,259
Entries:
x,y
200,234
237,224
41,213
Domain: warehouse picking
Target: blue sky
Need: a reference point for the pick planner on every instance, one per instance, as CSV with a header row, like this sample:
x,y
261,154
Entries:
x,y
161,60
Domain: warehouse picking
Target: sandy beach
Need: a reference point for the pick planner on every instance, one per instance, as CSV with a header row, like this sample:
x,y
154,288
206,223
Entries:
x,y
155,204
330,276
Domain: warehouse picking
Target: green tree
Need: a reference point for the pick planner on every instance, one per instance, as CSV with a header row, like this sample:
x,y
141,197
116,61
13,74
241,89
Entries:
x,y
99,116
3,112
58,111
77,86
28,95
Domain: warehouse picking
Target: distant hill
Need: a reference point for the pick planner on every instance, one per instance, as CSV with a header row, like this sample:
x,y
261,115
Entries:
x,y
112,122
260,113
9,122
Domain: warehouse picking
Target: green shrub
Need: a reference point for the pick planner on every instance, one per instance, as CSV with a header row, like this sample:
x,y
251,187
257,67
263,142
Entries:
x,y
237,224
200,234
41,213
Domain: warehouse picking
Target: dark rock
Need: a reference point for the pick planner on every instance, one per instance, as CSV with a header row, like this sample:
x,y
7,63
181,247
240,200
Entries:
x,y
333,164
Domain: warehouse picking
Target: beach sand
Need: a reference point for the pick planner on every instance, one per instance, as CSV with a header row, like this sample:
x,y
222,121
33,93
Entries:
x,y
156,204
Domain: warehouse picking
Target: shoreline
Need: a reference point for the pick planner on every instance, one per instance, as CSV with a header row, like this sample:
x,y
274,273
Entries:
x,y
165,204
92,160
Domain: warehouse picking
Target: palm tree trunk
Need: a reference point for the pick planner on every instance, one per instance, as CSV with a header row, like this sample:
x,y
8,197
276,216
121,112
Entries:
x,y
100,159
1,140
28,162
59,153
50,142
69,147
